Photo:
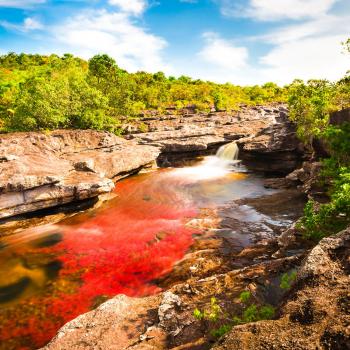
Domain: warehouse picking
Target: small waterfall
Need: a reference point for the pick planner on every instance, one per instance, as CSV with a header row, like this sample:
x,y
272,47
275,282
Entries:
x,y
228,152
212,167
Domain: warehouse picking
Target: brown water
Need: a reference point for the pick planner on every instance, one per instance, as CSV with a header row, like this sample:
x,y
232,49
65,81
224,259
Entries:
x,y
51,274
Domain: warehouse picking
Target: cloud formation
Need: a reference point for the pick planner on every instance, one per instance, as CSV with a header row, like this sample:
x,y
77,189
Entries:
x,y
29,24
20,3
272,10
223,53
133,7
114,33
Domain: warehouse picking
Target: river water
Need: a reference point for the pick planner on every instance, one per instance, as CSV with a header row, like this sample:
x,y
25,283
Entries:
x,y
50,275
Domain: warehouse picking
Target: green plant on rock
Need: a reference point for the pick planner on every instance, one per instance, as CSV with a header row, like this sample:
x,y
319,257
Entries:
x,y
221,322
287,280
321,220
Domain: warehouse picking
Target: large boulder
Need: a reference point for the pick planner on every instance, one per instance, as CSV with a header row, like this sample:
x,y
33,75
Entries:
x,y
42,170
275,148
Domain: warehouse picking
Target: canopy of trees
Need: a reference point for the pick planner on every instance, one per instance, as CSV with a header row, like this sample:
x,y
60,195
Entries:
x,y
47,92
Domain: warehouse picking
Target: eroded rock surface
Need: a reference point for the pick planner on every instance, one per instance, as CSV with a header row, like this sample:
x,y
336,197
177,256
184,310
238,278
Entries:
x,y
40,170
274,149
266,137
316,314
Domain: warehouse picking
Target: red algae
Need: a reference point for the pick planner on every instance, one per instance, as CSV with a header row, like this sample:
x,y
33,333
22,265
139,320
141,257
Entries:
x,y
121,248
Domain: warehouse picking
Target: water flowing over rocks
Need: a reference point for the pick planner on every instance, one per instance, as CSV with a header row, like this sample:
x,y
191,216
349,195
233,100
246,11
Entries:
x,y
40,170
266,137
314,314
43,170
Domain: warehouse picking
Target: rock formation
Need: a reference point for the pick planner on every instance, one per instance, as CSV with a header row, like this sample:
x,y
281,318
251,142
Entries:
x,y
43,170
39,170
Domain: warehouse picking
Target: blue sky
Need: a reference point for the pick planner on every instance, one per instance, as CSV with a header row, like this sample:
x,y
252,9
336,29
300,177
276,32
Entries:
x,y
238,41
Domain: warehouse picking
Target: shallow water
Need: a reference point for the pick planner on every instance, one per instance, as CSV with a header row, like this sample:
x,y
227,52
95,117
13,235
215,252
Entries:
x,y
52,274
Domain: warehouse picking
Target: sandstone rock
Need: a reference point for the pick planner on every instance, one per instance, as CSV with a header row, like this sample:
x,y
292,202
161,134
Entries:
x,y
116,324
187,139
274,149
44,170
316,313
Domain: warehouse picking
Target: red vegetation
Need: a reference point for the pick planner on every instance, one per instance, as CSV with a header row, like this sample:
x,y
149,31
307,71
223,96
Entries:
x,y
121,248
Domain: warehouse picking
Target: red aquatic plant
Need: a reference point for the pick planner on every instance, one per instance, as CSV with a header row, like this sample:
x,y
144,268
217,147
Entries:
x,y
121,248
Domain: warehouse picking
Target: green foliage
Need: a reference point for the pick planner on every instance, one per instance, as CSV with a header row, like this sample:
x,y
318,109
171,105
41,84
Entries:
x,y
245,296
223,322
219,332
47,92
287,280
212,314
325,219
310,105
198,314
321,220
338,139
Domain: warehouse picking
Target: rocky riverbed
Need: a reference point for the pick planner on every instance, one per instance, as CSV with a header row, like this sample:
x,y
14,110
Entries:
x,y
312,313
44,170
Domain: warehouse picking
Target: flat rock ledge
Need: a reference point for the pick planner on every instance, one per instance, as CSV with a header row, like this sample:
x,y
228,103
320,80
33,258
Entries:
x,y
43,170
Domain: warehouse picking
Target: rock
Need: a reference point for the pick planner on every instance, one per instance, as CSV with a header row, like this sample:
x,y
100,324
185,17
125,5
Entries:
x,y
167,313
274,149
316,313
116,324
188,139
340,117
45,170
330,256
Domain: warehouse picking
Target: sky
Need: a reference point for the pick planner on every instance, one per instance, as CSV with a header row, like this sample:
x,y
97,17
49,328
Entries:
x,y
239,41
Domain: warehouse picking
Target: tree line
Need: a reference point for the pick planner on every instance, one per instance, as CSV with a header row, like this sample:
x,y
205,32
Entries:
x,y
48,92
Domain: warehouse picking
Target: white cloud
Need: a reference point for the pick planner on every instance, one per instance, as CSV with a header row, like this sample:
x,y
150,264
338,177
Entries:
x,y
310,49
29,24
20,3
223,53
114,33
134,7
323,26
317,57
32,24
272,10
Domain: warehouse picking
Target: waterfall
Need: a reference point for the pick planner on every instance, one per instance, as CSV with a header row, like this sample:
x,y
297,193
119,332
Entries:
x,y
212,167
228,152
